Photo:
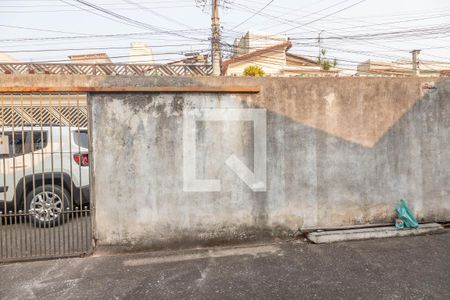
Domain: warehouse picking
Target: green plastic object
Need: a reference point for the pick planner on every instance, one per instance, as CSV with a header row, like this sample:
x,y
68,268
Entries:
x,y
399,224
405,217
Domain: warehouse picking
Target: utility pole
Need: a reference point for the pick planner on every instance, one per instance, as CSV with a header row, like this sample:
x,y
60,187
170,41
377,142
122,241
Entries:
x,y
416,62
318,39
216,55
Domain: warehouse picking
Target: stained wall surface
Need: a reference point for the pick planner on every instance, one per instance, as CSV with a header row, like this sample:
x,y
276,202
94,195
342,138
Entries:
x,y
337,153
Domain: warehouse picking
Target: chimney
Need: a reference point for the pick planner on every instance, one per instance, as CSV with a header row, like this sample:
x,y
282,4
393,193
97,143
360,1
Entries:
x,y
416,62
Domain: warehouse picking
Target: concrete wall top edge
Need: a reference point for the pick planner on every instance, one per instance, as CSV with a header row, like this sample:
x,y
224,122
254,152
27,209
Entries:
x,y
109,81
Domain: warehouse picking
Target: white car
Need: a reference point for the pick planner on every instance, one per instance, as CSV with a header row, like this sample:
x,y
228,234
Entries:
x,y
44,170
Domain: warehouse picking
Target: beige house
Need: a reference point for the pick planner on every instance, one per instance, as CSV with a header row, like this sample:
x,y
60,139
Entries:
x,y
96,58
5,58
140,53
271,54
401,68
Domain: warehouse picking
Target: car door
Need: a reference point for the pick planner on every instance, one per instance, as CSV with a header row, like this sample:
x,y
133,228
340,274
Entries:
x,y
15,162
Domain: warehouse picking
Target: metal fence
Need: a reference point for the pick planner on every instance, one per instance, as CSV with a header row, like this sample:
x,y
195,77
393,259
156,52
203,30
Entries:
x,y
106,69
44,176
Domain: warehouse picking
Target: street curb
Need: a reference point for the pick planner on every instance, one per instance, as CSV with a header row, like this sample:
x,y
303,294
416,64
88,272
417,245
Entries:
x,y
324,237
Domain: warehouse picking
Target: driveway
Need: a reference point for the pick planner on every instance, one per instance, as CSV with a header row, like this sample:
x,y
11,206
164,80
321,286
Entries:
x,y
398,268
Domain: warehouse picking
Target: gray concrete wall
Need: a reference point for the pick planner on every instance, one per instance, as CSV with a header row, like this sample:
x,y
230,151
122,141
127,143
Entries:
x,y
340,152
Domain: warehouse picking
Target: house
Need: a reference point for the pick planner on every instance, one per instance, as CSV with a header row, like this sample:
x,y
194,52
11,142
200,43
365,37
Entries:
x,y
271,59
192,58
254,40
401,68
140,53
5,58
270,52
96,58
297,65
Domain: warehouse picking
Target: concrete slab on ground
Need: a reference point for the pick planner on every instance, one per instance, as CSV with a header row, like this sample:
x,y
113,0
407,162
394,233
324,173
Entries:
x,y
320,237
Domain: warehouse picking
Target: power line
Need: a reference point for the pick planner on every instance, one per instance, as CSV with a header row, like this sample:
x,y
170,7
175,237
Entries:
x,y
91,48
119,56
281,20
99,36
326,8
446,15
104,4
95,13
57,43
129,20
431,30
163,16
368,24
323,17
40,29
87,10
259,11
288,21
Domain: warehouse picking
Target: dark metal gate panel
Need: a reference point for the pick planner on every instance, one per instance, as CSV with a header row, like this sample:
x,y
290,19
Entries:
x,y
44,176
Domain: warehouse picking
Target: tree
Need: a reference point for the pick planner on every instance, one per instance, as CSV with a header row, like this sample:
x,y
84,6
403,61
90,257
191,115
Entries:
x,y
254,70
324,62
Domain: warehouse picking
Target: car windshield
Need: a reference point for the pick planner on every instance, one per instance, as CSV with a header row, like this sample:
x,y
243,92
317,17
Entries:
x,y
81,138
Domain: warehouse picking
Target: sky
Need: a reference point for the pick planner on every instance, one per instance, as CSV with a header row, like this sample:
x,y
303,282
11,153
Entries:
x,y
351,31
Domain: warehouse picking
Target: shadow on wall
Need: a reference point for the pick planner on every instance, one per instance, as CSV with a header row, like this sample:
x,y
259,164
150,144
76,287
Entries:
x,y
337,182
341,108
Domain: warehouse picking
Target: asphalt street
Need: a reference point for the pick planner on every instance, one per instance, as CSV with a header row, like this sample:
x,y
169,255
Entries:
x,y
397,268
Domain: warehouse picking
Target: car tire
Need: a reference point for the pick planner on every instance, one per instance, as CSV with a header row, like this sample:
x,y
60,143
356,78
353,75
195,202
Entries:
x,y
46,204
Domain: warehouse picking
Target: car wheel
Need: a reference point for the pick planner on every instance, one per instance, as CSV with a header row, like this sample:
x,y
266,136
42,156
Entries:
x,y
46,205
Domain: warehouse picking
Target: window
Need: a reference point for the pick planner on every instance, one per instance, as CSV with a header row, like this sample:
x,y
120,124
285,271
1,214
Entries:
x,y
39,139
25,143
81,138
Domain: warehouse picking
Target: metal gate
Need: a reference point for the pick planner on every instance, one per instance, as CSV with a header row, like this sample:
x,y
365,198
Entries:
x,y
44,176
